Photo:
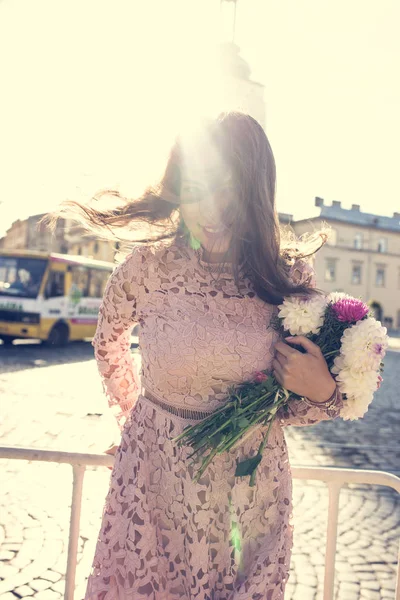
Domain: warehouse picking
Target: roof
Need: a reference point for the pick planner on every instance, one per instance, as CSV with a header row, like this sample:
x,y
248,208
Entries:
x,y
354,216
68,258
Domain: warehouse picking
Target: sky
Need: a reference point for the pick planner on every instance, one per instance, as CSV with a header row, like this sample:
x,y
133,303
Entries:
x,y
93,91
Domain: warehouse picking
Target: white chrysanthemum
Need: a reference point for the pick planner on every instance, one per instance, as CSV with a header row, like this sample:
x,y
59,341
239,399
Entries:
x,y
358,386
363,346
302,316
354,409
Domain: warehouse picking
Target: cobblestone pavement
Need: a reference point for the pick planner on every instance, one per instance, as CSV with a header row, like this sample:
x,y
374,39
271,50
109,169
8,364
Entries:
x,y
53,399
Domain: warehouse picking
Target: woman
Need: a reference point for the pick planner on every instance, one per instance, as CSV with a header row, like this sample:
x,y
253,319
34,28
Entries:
x,y
204,295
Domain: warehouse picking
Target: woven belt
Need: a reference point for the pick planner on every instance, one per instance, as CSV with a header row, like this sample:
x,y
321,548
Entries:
x,y
184,413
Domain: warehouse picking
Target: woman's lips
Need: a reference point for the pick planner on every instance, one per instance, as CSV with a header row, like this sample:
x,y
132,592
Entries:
x,y
213,233
212,229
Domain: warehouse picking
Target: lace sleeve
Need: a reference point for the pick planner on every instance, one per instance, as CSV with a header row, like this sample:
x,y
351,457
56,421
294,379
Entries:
x,y
300,414
297,412
117,316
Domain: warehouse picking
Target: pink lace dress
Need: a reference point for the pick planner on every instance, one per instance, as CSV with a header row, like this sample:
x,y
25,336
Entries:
x,y
164,537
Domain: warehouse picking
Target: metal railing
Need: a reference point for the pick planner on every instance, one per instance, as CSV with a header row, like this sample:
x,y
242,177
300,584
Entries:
x,y
334,477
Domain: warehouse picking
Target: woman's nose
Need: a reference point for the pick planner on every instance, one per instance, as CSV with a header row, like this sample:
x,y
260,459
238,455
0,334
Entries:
x,y
210,210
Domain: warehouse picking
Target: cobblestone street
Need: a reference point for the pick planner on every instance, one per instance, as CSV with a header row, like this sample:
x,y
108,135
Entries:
x,y
52,399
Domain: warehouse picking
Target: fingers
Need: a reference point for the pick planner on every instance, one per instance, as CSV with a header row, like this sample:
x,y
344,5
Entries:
x,y
307,344
281,359
278,371
285,349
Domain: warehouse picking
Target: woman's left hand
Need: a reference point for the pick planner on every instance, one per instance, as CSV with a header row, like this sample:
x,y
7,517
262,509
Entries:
x,y
304,374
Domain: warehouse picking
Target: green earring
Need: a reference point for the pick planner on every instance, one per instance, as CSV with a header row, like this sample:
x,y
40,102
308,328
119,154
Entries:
x,y
193,242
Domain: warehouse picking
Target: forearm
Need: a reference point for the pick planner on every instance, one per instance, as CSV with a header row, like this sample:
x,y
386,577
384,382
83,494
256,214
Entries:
x,y
118,374
301,413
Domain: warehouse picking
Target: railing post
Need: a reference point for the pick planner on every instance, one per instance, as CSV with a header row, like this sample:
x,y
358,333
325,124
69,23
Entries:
x,y
334,488
76,503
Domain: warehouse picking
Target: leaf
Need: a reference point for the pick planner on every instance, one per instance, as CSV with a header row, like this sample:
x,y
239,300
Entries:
x,y
243,422
216,439
246,467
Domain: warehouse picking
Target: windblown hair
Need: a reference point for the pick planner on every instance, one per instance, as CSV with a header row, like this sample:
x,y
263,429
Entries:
x,y
266,250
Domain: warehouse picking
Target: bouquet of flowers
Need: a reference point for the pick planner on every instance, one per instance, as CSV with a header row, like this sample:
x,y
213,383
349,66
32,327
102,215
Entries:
x,y
353,344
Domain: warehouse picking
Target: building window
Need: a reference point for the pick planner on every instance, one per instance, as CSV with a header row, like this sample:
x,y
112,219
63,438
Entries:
x,y
358,241
330,269
96,247
356,274
55,285
377,310
382,245
380,277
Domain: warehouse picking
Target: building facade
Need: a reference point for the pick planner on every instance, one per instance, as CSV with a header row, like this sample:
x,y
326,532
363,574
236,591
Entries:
x,y
66,239
91,247
361,257
80,243
29,233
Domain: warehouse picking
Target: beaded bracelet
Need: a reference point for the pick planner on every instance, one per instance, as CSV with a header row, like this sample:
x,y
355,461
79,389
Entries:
x,y
326,403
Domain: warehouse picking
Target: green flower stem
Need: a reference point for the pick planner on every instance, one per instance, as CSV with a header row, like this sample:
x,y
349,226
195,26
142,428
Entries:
x,y
264,442
208,421
260,451
260,399
325,354
198,450
232,441
200,436
258,418
220,428
228,423
204,465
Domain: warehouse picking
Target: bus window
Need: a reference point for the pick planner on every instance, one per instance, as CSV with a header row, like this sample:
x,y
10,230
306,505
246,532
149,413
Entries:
x,y
80,279
98,280
21,276
55,284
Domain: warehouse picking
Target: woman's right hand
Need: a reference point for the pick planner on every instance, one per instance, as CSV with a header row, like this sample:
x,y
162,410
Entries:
x,y
111,450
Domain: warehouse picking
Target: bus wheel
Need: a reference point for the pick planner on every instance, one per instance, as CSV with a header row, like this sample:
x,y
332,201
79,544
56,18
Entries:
x,y
7,339
58,336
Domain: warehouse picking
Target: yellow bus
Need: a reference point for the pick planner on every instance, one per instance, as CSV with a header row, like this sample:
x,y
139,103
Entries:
x,y
48,296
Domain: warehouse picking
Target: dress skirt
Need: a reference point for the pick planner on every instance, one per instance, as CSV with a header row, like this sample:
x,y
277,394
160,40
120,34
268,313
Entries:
x,y
164,537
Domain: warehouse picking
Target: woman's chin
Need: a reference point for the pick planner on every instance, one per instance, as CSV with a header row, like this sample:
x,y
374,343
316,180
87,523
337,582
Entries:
x,y
217,248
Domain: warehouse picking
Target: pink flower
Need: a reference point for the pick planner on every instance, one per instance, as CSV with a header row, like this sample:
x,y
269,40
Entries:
x,y
259,377
350,310
380,379
378,349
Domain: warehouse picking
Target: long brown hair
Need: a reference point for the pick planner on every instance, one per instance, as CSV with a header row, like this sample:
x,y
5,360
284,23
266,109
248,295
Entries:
x,y
257,240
